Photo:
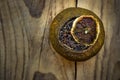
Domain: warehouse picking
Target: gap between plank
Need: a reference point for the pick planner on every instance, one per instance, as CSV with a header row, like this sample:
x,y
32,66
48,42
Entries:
x,y
75,70
76,2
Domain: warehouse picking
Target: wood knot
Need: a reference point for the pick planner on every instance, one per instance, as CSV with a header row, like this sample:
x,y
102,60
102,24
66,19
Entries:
x,y
44,76
35,7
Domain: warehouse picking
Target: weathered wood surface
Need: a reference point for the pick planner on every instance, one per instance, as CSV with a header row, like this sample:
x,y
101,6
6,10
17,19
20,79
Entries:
x,y
25,53
24,45
106,65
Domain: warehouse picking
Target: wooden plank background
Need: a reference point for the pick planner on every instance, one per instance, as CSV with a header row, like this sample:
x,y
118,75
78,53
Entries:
x,y
25,53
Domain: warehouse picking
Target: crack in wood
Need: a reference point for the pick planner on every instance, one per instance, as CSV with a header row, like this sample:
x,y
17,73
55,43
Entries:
x,y
76,2
75,70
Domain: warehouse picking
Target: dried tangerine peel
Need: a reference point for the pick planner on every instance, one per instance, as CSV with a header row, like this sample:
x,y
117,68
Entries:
x,y
87,29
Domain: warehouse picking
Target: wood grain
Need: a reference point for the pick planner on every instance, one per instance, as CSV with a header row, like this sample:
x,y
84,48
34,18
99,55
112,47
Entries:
x,y
104,65
24,44
25,53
